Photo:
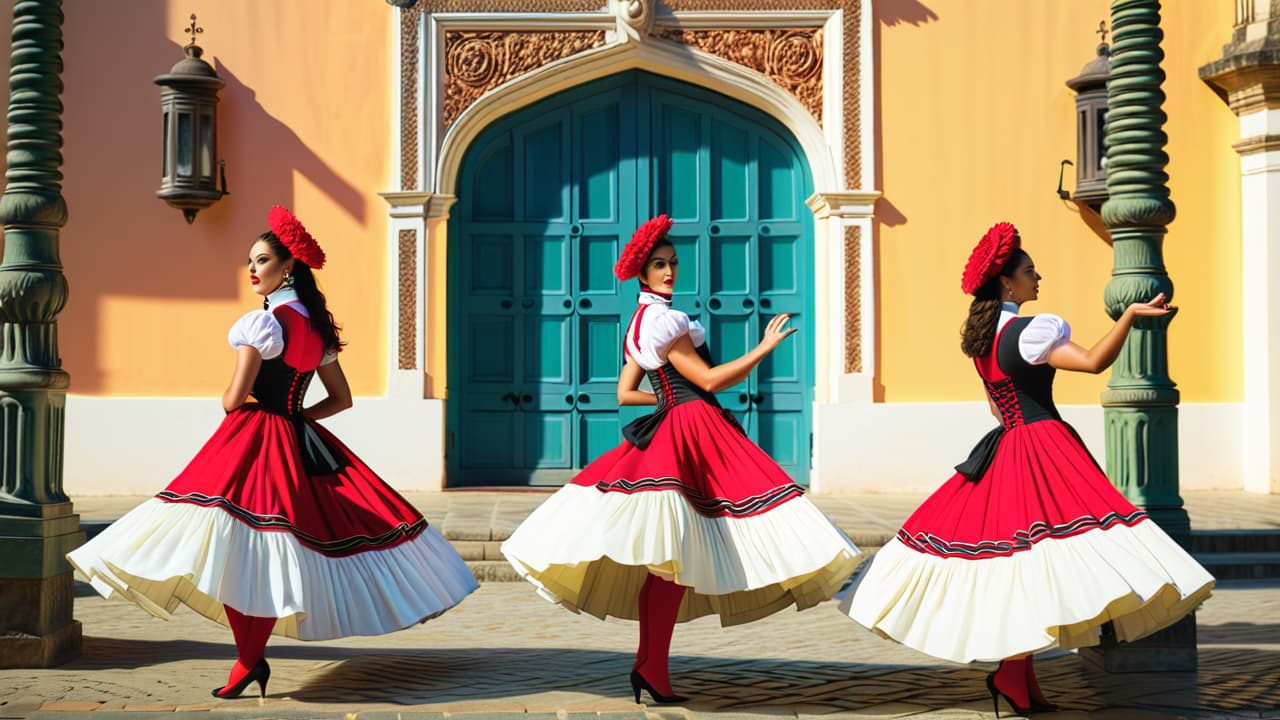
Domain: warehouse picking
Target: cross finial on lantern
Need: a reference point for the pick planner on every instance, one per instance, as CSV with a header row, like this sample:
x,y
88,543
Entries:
x,y
192,29
1102,29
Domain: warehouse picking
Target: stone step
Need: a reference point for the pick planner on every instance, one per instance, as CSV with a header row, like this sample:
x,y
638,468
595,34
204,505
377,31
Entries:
x,y
1241,566
1236,541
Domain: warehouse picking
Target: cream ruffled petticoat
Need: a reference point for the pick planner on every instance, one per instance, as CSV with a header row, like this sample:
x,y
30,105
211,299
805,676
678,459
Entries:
x,y
161,554
590,551
1056,593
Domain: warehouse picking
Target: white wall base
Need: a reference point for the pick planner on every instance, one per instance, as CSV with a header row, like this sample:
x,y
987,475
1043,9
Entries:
x,y
135,446
132,446
914,447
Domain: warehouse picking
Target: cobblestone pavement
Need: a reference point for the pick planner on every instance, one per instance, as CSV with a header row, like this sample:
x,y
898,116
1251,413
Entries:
x,y
505,652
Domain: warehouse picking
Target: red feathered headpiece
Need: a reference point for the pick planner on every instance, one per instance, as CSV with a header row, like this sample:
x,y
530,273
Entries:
x,y
989,257
295,237
642,242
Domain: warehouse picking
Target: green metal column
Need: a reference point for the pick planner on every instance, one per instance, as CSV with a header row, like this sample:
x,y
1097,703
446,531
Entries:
x,y
37,524
1141,401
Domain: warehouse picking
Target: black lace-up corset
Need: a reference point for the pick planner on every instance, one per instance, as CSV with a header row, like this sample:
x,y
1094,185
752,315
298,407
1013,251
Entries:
x,y
280,388
1026,395
671,389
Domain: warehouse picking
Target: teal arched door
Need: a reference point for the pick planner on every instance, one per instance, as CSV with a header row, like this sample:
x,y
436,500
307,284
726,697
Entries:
x,y
546,199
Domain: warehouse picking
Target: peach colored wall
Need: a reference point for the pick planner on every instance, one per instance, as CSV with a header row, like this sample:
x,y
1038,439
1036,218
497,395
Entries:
x,y
303,121
974,119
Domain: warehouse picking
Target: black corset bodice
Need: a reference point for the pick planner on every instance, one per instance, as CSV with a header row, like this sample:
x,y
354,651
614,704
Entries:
x,y
1026,395
671,389
279,388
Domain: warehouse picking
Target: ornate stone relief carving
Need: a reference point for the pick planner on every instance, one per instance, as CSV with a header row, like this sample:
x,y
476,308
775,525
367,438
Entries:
x,y
478,61
408,322
852,299
409,20
792,58
635,18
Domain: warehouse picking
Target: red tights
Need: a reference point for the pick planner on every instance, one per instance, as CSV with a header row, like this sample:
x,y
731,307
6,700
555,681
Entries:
x,y
659,606
251,635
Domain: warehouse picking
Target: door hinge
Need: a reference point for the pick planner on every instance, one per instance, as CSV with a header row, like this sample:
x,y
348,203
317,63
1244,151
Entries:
x,y
810,450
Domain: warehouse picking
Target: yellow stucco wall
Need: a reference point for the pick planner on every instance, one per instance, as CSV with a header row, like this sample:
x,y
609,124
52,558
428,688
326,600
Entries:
x,y
304,122
975,117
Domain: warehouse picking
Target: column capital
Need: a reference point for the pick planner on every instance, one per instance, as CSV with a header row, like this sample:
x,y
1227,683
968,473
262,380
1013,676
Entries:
x,y
844,203
414,204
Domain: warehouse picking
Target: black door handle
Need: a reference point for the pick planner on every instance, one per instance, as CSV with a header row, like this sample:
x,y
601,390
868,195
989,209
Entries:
x,y
584,398
568,303
526,399
568,399
743,397
513,399
766,303
585,303
506,304
748,303
757,398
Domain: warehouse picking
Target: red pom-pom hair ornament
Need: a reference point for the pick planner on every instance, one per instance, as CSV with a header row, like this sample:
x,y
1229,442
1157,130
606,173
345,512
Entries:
x,y
295,237
642,242
989,257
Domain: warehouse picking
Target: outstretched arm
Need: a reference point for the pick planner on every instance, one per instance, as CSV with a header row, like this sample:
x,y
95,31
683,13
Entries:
x,y
629,381
1070,356
688,363
248,360
338,396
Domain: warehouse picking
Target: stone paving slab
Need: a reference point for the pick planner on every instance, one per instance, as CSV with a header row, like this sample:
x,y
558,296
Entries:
x,y
506,653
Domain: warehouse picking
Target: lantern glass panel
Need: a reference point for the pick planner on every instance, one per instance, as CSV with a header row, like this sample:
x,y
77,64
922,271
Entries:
x,y
164,152
206,145
1082,144
184,144
1101,133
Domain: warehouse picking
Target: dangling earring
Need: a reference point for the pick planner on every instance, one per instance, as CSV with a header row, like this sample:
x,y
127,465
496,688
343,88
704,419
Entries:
x,y
288,281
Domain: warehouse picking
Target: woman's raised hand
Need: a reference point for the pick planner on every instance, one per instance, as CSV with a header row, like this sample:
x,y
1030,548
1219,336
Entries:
x,y
1156,307
776,332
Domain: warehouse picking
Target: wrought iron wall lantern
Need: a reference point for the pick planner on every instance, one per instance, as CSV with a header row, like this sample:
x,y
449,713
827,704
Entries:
x,y
1091,117
189,100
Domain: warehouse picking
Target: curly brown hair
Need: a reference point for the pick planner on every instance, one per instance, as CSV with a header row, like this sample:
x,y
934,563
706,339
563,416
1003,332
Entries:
x,y
980,326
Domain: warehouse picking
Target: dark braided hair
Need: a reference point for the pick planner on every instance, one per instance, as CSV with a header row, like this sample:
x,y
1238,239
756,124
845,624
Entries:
x,y
980,327
304,283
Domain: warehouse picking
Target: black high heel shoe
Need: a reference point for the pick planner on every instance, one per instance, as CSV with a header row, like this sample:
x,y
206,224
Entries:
x,y
996,694
638,682
1039,707
260,672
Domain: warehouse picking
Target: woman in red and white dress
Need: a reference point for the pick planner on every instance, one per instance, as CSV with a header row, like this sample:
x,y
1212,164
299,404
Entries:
x,y
1028,546
687,517
276,526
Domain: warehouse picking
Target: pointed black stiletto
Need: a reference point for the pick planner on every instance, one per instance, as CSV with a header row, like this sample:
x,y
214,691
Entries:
x,y
638,682
260,672
996,694
1043,707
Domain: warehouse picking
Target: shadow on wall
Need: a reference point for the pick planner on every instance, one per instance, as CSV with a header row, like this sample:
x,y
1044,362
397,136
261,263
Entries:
x,y
121,242
897,12
888,13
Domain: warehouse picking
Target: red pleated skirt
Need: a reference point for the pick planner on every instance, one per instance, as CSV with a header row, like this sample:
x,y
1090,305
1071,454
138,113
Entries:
x,y
253,469
701,452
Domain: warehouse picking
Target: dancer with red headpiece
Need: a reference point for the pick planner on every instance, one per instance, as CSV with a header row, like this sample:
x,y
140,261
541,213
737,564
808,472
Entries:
x,y
1027,546
276,526
687,517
